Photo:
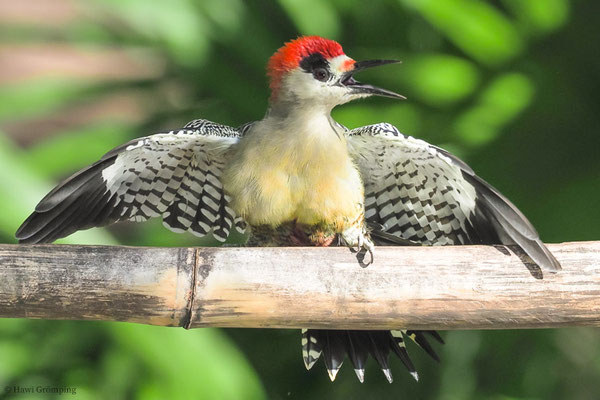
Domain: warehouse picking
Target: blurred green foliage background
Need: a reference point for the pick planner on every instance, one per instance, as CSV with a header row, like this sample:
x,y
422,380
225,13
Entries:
x,y
510,86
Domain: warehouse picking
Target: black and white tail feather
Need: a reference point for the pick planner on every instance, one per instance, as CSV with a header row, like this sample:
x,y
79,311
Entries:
x,y
415,194
357,345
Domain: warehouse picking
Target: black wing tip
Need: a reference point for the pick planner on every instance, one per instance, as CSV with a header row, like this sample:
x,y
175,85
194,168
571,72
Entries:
x,y
556,269
22,233
536,251
38,228
25,233
75,204
549,261
509,220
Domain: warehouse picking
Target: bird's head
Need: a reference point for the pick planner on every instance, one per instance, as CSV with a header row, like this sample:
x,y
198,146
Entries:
x,y
315,70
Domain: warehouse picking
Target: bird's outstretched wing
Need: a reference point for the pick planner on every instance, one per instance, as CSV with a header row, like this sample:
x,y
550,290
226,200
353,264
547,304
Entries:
x,y
418,192
174,174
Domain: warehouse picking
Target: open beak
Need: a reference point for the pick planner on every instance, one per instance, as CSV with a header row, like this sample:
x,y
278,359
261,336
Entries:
x,y
358,87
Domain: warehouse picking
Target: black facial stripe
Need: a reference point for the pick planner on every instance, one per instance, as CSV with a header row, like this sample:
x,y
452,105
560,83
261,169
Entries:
x,y
315,60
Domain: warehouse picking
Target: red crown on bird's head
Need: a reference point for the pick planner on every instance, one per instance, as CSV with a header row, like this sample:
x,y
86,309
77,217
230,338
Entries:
x,y
289,56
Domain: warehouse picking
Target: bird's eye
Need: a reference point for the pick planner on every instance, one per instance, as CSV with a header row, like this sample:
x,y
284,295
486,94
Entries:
x,y
321,74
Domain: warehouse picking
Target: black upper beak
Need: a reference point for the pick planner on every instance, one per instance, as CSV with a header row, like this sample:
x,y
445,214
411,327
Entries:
x,y
358,87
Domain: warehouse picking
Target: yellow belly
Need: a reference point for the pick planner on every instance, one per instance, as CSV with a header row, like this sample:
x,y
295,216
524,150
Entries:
x,y
272,183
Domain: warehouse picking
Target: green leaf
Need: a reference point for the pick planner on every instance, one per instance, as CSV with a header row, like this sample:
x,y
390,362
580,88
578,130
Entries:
x,y
184,364
476,27
405,117
506,97
38,96
313,17
63,154
540,16
439,79
174,25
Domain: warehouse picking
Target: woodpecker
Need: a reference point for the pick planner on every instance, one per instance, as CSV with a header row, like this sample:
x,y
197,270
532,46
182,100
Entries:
x,y
297,177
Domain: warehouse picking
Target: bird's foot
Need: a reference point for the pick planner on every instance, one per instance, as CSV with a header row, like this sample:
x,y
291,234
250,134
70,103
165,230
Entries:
x,y
359,241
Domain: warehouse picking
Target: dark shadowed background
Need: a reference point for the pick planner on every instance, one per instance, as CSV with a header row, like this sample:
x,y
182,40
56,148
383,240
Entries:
x,y
510,86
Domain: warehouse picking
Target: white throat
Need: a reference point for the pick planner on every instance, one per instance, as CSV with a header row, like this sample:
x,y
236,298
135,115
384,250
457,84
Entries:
x,y
311,121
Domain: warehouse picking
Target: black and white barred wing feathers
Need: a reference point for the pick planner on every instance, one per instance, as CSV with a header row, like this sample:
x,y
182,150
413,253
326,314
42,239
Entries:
x,y
420,193
175,175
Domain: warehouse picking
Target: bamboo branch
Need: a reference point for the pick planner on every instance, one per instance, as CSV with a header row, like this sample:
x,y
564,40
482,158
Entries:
x,y
458,287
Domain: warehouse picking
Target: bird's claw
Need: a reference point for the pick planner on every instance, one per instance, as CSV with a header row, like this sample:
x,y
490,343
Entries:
x,y
360,242
368,247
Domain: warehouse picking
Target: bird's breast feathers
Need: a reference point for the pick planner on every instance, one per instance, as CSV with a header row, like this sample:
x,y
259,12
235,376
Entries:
x,y
277,177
